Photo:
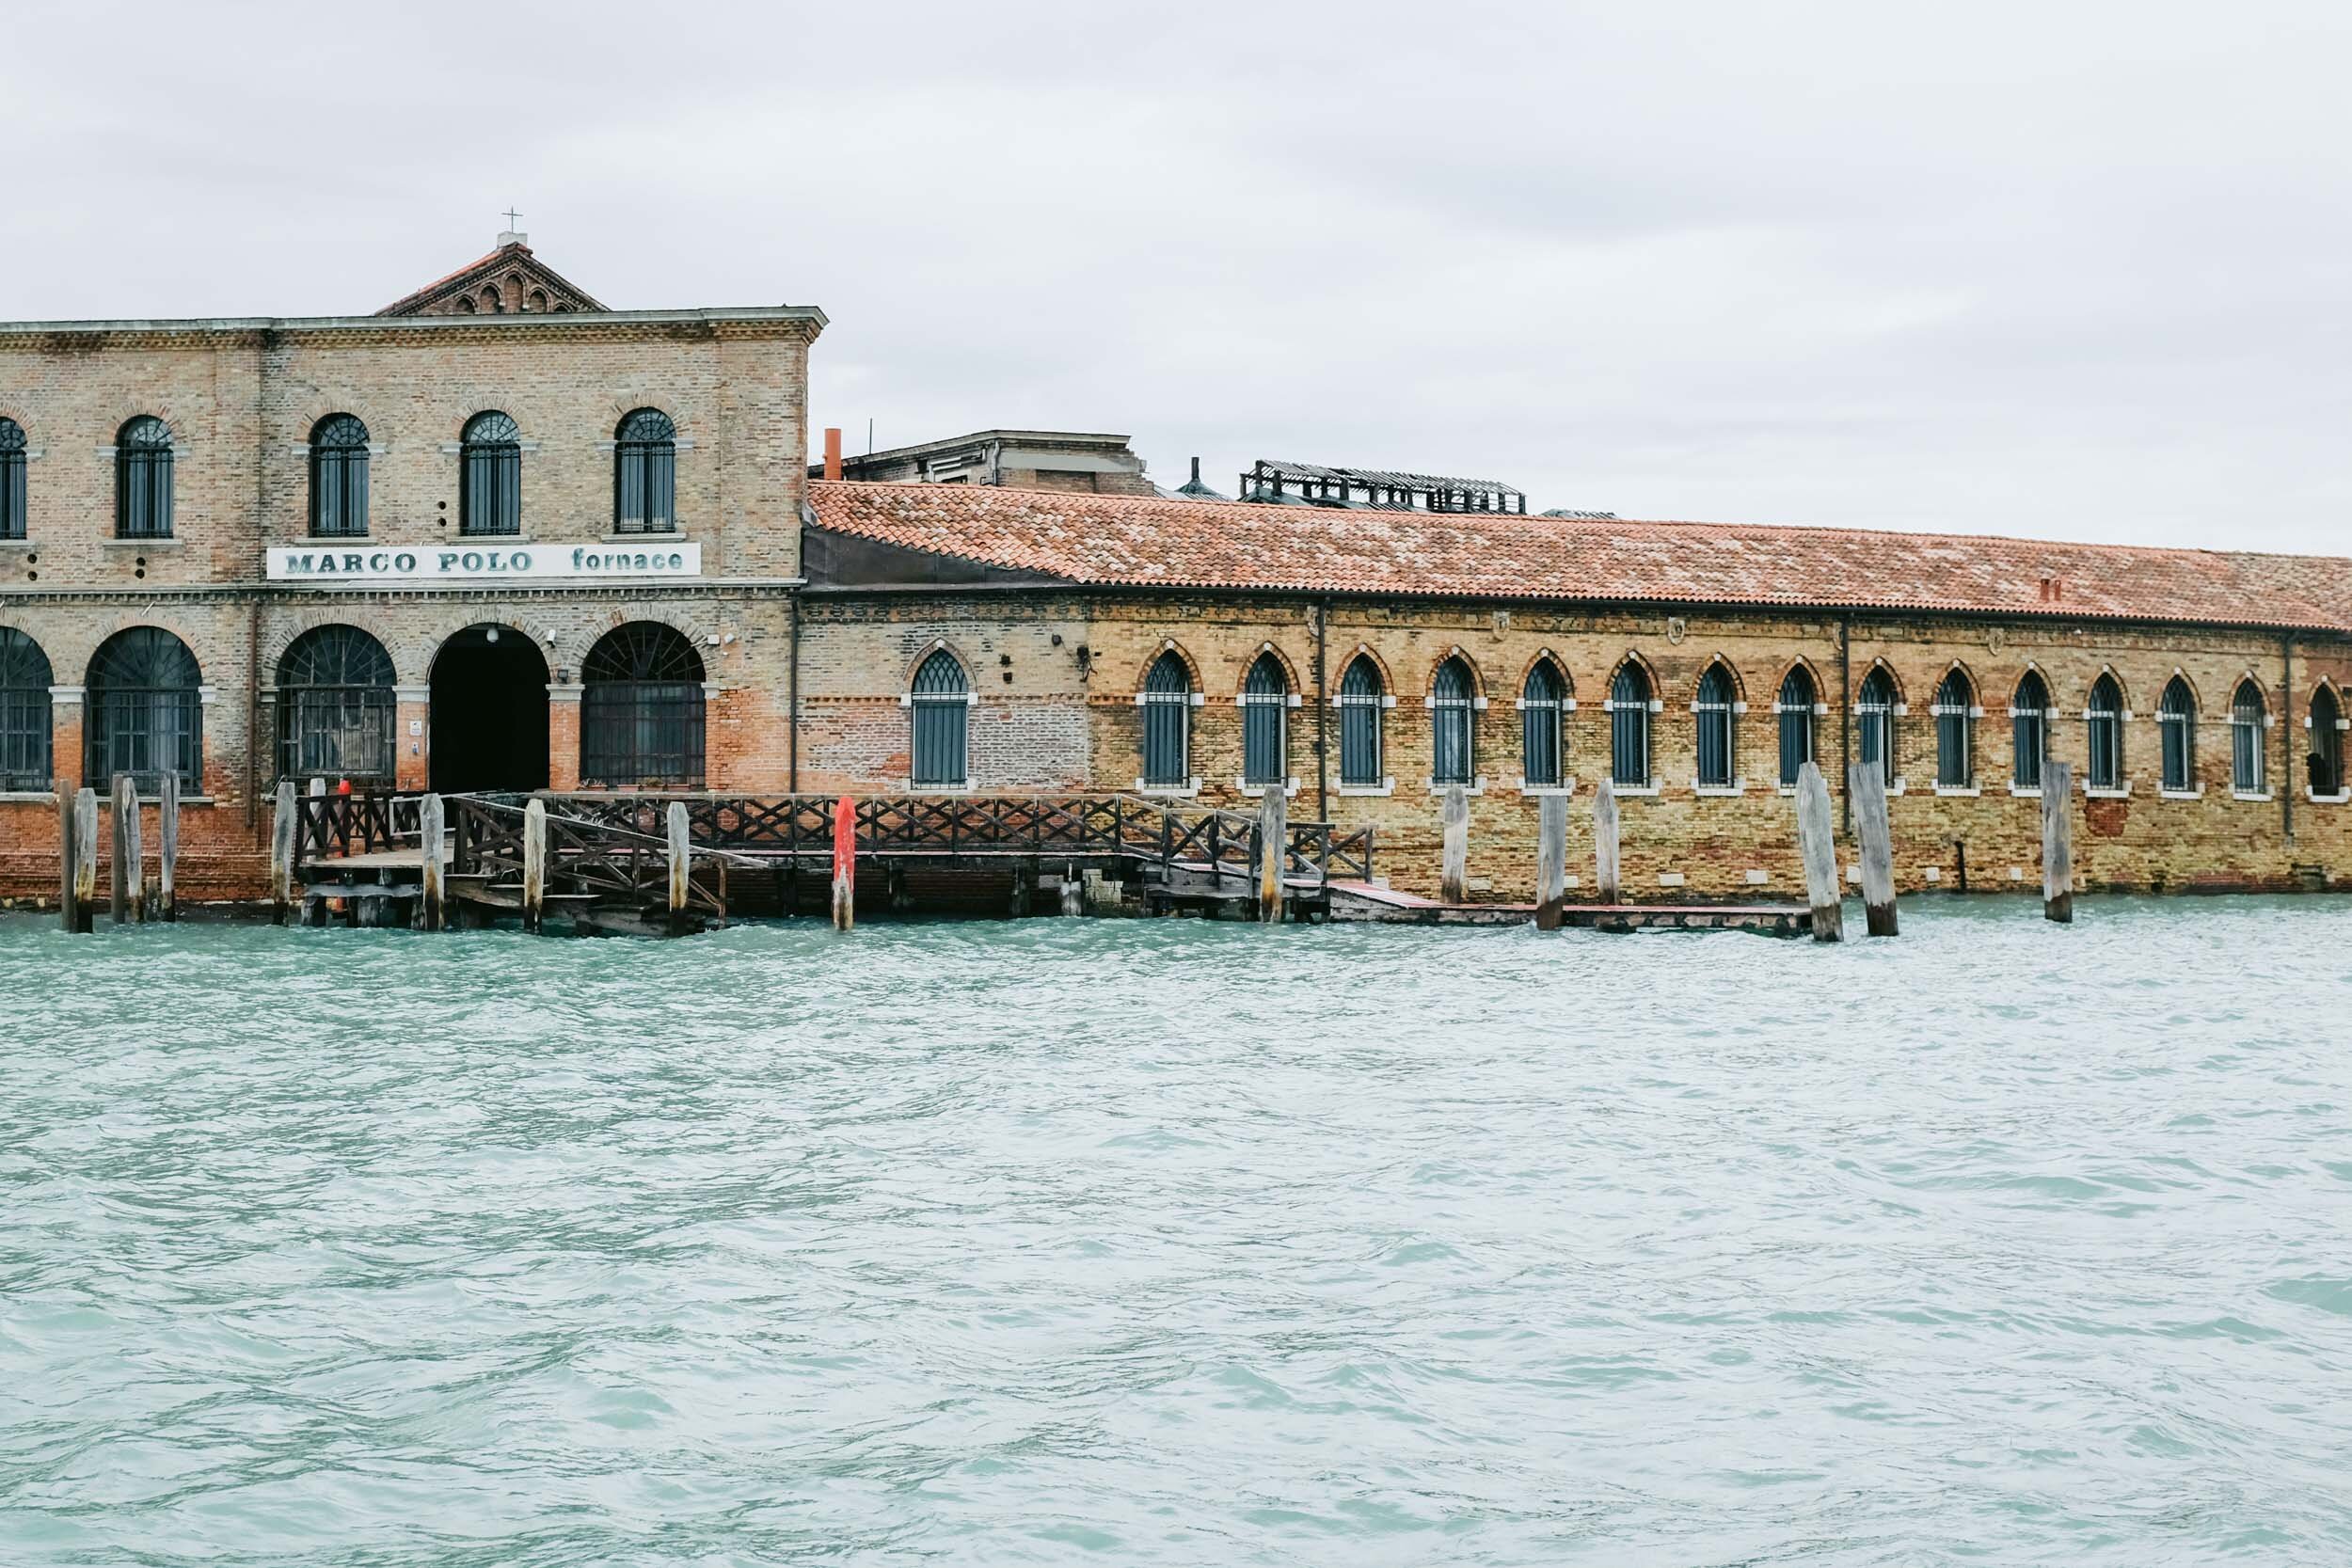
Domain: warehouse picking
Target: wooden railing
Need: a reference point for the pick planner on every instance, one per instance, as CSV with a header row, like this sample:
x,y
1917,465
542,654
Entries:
x,y
630,867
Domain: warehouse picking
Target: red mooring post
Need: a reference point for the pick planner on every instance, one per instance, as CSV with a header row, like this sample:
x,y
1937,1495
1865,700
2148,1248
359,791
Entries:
x,y
844,863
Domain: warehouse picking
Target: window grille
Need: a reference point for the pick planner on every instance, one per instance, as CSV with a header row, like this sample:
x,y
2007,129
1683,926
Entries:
x,y
2176,725
1265,698
24,682
1796,722
145,713
1955,731
1453,725
1166,722
1714,714
2029,731
12,456
336,707
2325,764
143,480
339,477
1543,725
490,488
1874,715
644,474
1629,727
2103,719
641,710
2248,719
1359,723
941,710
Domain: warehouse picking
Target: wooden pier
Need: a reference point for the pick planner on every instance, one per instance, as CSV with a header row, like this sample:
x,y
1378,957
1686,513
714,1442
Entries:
x,y
1364,901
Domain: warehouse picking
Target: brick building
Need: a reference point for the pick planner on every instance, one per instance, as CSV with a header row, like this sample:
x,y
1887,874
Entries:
x,y
499,536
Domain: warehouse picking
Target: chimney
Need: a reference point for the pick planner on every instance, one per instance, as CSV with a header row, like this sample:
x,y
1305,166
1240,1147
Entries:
x,y
833,451
1196,470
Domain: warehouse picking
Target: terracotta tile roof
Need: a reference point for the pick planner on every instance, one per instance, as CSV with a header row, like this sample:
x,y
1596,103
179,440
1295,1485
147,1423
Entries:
x,y
1144,542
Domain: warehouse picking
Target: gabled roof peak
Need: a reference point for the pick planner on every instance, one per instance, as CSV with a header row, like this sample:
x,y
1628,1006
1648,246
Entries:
x,y
510,280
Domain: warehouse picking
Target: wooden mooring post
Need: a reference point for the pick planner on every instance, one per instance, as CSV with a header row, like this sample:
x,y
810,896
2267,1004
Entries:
x,y
535,863
1274,851
129,902
282,852
1866,784
1073,891
1605,844
681,864
69,880
431,904
2058,842
1453,869
1817,845
843,864
1552,861
168,850
85,872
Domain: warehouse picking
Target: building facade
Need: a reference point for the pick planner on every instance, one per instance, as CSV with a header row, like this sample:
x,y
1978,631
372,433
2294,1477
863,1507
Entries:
x,y
499,537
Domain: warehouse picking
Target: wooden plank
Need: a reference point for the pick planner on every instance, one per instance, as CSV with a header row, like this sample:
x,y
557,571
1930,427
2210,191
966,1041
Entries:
x,y
282,852
1605,843
69,906
431,907
1274,839
85,858
1551,861
130,864
1866,784
1073,891
535,863
1454,867
168,850
1817,846
843,864
2058,841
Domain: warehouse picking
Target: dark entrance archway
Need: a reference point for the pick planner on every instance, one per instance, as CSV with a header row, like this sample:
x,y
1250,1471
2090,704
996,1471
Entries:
x,y
489,712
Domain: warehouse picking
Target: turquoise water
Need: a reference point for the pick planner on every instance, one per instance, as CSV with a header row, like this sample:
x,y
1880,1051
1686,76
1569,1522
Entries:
x,y
1172,1243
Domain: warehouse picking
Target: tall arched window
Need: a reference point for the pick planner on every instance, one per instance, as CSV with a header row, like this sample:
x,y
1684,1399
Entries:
x,y
24,682
1360,702
2249,721
1955,731
1165,702
12,480
2029,730
1628,726
339,477
1265,698
143,480
490,489
335,706
1874,716
145,710
1544,726
1453,725
2176,724
1795,708
2324,766
1713,711
641,710
2102,718
942,700
644,474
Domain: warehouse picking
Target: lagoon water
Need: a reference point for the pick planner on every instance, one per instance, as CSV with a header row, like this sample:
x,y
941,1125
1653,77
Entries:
x,y
1175,1243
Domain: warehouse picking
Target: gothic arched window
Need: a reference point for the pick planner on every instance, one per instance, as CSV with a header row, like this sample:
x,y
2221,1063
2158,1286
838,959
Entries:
x,y
2029,730
1629,727
1874,715
1265,699
1361,701
12,456
1795,708
942,704
2103,719
1715,714
2249,721
24,682
1544,726
2176,725
1453,723
1955,731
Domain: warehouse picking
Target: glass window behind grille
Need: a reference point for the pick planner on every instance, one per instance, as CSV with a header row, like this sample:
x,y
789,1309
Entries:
x,y
2029,731
2326,772
336,706
1543,725
940,710
24,724
1360,694
1796,722
1874,716
1452,721
644,474
1167,708
145,711
12,480
2102,719
143,480
2176,725
1629,727
1713,712
491,486
640,718
339,477
1264,718
1955,732
2248,733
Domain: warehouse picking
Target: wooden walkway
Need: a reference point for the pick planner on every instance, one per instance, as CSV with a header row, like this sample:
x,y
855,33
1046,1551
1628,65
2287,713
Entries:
x,y
1364,901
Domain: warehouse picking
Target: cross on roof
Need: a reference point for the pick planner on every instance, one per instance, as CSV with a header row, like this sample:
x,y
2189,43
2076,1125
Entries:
x,y
511,216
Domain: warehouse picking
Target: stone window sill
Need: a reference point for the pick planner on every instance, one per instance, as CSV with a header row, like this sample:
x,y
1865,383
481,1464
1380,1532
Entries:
x,y
1185,791
1622,790
1566,787
1349,791
2124,793
164,542
2025,792
2339,798
1959,792
2196,794
1243,787
1470,786
939,790
1719,792
666,535
2259,795
19,544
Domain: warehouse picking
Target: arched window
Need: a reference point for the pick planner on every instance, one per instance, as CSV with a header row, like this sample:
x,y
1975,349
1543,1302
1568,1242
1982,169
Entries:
x,y
1166,707
641,710
1265,700
942,700
1360,702
1955,731
2176,725
1714,714
339,477
644,474
12,480
24,682
1874,716
2028,730
145,710
1544,726
2102,717
1629,727
143,480
1795,708
2325,764
1453,725
2249,719
490,489
335,706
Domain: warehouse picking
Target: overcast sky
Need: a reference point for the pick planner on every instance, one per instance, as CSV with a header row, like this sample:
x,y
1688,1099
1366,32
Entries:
x,y
2073,269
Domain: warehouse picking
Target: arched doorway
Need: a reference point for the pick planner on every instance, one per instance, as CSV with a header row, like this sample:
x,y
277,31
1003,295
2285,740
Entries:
x,y
489,712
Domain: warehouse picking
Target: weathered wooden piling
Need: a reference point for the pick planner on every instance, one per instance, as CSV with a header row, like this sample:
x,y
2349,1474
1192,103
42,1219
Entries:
x,y
1073,891
843,864
85,858
1274,851
68,908
2058,842
168,850
1552,861
1454,868
1817,845
129,902
1605,879
431,903
535,863
282,852
1865,784
681,864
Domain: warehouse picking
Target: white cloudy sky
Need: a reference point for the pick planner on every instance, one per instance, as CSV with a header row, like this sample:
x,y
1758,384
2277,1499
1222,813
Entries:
x,y
2068,269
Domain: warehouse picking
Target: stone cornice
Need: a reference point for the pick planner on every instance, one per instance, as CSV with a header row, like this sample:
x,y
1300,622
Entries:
x,y
801,323
488,592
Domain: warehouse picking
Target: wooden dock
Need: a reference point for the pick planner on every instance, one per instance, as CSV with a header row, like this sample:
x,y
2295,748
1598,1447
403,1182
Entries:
x,y
1364,901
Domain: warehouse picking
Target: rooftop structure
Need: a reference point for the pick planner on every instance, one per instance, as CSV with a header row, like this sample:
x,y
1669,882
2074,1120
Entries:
x,y
1375,489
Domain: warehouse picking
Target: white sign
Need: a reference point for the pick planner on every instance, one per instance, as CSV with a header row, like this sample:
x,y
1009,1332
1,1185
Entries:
x,y
476,559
